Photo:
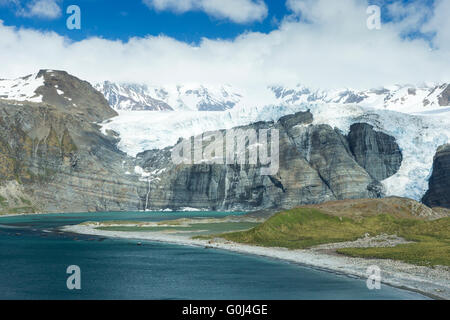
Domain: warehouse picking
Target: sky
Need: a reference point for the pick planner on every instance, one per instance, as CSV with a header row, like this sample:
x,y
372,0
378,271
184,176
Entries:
x,y
247,43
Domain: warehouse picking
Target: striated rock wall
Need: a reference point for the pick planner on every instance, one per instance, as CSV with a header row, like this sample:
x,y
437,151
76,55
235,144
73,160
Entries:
x,y
316,164
376,152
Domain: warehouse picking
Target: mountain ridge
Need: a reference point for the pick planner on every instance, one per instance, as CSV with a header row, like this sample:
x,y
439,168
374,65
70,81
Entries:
x,y
402,98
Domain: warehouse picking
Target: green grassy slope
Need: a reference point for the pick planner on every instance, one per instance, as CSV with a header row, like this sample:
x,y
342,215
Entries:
x,y
305,227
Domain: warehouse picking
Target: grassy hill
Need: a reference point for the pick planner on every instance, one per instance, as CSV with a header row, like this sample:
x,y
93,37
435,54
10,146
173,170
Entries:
x,y
350,220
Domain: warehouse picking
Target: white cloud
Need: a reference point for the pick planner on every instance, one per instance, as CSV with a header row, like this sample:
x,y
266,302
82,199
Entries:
x,y
46,9
334,49
239,11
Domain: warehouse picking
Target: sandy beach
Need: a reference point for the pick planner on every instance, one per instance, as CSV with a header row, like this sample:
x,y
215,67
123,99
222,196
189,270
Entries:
x,y
432,282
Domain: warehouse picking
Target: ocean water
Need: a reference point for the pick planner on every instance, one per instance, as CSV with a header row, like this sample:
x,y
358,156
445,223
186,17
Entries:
x,y
34,256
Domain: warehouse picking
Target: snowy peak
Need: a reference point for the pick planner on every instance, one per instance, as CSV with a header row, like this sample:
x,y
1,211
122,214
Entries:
x,y
193,97
133,97
61,90
74,95
206,98
407,99
440,95
56,87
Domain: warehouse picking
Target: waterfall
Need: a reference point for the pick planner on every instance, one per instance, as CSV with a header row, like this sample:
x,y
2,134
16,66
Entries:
x,y
226,187
148,193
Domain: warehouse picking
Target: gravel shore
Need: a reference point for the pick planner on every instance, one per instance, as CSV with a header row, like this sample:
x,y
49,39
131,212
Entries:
x,y
433,282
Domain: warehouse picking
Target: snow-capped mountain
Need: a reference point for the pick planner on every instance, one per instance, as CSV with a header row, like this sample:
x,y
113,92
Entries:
x,y
128,96
402,98
408,99
131,97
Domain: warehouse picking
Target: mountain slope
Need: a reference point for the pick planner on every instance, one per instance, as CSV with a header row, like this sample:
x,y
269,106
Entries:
x,y
131,97
136,97
401,98
59,89
54,157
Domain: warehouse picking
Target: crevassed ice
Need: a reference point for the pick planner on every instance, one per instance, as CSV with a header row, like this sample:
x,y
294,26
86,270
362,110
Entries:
x,y
418,136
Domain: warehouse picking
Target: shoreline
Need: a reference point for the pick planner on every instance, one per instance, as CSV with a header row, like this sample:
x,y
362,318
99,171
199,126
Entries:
x,y
139,211
430,282
21,214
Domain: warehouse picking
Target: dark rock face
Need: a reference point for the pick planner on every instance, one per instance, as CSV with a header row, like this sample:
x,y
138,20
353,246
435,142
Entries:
x,y
376,152
292,120
444,98
316,164
331,157
438,194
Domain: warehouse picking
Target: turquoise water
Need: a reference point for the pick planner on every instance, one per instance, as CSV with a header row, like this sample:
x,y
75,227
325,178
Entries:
x,y
34,256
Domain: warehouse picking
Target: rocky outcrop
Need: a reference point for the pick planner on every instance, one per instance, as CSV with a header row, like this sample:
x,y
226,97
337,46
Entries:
x,y
74,96
57,158
376,152
316,164
444,97
438,194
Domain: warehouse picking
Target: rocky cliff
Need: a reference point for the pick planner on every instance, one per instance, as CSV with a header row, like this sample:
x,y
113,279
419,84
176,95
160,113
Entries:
x,y
316,163
376,152
53,157
438,194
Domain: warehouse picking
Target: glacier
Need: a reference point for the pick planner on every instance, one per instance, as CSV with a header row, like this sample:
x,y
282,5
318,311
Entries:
x,y
418,134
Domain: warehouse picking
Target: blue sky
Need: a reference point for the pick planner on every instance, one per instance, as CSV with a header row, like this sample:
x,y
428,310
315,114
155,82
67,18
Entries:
x,y
133,18
249,43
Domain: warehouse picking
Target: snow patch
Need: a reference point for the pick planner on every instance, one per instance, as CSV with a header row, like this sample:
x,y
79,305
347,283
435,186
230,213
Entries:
x,y
140,171
22,89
